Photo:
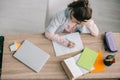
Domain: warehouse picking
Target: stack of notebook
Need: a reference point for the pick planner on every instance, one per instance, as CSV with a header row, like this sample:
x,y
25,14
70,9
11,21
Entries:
x,y
81,64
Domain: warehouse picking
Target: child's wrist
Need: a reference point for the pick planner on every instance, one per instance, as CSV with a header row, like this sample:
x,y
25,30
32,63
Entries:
x,y
70,44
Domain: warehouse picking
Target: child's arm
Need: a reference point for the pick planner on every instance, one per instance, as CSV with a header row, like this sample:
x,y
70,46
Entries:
x,y
58,39
92,27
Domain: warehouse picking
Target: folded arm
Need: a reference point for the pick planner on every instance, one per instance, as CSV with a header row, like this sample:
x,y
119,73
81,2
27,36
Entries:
x,y
92,27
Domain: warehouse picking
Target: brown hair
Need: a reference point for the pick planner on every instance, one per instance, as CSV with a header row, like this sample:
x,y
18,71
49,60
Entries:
x,y
81,10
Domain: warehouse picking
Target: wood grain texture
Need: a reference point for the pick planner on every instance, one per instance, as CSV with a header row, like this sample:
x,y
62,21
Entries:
x,y
13,69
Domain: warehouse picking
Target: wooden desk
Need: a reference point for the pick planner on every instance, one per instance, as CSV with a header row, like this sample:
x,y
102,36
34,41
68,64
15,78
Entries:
x,y
13,69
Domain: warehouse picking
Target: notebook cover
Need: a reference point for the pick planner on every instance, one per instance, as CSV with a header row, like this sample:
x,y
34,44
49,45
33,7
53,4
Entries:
x,y
87,59
99,65
31,55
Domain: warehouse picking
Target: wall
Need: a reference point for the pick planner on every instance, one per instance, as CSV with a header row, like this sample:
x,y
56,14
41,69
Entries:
x,y
28,16
22,16
55,6
106,14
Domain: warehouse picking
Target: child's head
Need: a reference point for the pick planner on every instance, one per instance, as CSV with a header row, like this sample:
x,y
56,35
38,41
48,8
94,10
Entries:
x,y
81,10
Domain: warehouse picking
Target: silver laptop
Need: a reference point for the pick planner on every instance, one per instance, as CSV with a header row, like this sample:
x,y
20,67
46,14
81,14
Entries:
x,y
32,56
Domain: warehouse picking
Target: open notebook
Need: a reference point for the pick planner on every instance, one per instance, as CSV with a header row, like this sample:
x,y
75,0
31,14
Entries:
x,y
74,37
31,55
72,69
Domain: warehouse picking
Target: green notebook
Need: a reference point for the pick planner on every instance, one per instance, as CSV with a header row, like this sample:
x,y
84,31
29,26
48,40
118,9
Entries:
x,y
87,59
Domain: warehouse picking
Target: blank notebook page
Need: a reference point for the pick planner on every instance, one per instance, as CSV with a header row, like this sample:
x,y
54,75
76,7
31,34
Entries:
x,y
62,50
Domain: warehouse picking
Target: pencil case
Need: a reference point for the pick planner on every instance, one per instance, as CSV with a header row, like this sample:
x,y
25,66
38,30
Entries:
x,y
109,42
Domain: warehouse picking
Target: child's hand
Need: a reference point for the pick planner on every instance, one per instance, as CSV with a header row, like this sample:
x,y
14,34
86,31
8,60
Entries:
x,y
87,22
71,44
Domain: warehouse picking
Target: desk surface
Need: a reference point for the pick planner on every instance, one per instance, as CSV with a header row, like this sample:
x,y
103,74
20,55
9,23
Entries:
x,y
13,69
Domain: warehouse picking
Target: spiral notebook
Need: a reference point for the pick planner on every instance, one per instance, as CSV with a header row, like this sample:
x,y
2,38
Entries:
x,y
62,50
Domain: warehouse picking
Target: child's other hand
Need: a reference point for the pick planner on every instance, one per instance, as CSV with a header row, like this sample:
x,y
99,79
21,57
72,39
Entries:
x,y
87,22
